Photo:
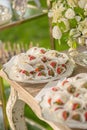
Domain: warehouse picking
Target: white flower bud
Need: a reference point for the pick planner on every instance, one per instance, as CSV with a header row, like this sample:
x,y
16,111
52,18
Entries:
x,y
70,14
82,3
75,33
78,18
50,14
85,7
56,32
84,31
72,3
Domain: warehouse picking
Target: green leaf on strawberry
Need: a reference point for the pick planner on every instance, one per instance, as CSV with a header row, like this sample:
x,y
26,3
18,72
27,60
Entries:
x,y
71,89
76,117
50,72
59,102
76,106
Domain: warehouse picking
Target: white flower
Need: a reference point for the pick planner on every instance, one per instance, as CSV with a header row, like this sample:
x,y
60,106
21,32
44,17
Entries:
x,y
84,32
61,16
78,18
81,40
85,8
82,3
66,23
70,14
50,14
75,33
56,12
59,2
72,3
82,25
56,32
56,15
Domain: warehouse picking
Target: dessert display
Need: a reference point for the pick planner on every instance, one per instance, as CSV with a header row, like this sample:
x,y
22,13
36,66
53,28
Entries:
x,y
39,65
65,101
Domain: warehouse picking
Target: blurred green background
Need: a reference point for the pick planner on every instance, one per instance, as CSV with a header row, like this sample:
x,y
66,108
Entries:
x,y
36,31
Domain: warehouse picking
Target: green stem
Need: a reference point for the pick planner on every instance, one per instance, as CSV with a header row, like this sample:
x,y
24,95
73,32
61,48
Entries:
x,y
59,42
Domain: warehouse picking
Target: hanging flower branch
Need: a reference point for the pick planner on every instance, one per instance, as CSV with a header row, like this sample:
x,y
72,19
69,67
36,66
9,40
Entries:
x,y
69,21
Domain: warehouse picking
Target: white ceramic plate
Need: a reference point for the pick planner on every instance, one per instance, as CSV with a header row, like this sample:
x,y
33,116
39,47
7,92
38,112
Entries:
x,y
81,59
48,115
6,68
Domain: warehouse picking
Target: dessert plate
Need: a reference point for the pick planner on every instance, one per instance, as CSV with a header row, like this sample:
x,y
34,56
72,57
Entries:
x,y
67,73
64,101
39,65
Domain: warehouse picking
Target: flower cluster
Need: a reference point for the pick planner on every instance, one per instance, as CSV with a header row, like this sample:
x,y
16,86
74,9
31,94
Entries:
x,y
69,20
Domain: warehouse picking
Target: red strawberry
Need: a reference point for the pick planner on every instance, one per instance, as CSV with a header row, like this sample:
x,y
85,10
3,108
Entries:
x,y
77,94
42,51
53,64
55,89
32,72
23,71
63,65
39,68
76,106
59,102
49,100
41,74
65,115
85,116
59,70
44,59
57,108
64,82
31,57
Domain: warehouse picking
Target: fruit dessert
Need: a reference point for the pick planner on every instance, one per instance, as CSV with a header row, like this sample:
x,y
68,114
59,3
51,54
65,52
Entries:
x,y
39,64
66,102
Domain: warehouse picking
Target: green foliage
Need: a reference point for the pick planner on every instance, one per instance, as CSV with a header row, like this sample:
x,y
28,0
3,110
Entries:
x,y
62,26
79,11
74,44
64,38
27,32
73,23
30,114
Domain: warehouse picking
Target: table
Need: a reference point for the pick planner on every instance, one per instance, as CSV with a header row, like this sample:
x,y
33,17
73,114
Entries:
x,y
24,93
